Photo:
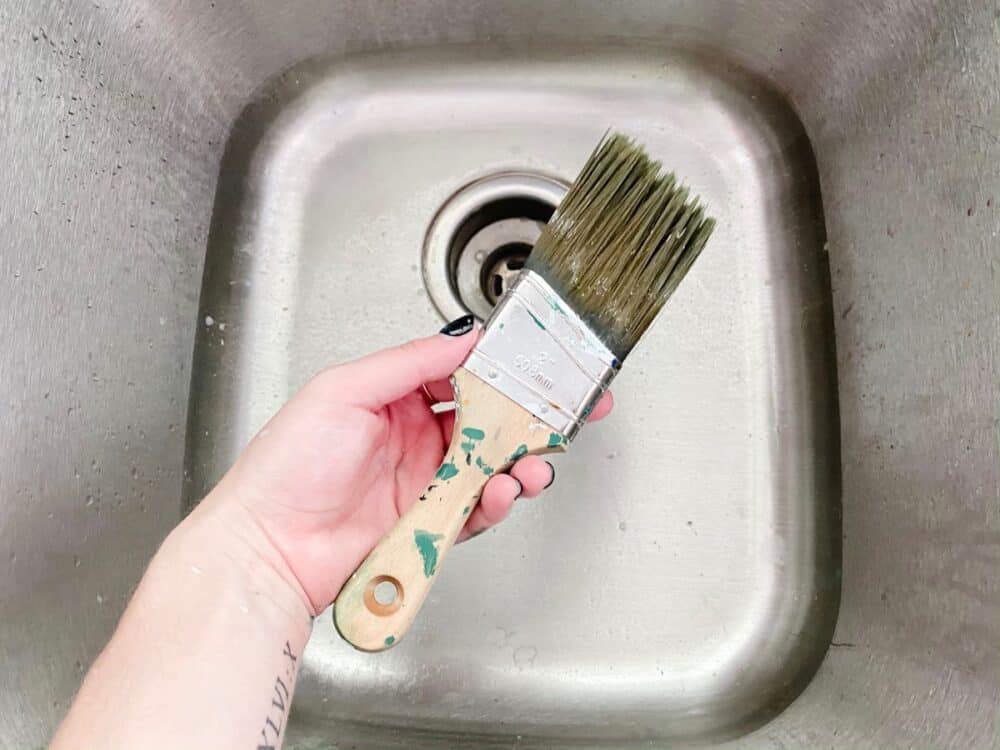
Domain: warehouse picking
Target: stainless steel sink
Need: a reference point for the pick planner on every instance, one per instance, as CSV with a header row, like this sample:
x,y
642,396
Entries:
x,y
811,428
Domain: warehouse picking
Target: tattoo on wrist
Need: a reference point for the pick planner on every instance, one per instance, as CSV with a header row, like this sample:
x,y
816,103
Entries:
x,y
281,700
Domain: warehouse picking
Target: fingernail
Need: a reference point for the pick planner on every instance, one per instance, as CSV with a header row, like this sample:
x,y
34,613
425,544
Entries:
x,y
553,470
520,488
459,326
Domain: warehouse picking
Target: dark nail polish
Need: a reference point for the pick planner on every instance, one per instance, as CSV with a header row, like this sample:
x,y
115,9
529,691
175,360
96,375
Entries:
x,y
459,326
520,488
553,469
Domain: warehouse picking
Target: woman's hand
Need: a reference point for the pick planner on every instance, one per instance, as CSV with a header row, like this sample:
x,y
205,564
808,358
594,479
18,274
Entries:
x,y
216,629
335,468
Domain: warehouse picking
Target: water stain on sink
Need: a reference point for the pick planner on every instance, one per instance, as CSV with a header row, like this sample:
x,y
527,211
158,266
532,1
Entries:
x,y
712,611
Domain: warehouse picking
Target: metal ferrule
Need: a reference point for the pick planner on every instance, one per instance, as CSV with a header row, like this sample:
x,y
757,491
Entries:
x,y
539,353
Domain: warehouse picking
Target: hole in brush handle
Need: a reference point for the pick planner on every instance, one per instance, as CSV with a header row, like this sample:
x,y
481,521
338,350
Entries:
x,y
383,595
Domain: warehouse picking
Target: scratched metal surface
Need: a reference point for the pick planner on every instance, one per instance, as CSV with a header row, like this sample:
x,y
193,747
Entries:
x,y
116,116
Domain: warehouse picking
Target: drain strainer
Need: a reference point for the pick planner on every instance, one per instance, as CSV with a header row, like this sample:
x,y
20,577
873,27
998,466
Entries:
x,y
481,237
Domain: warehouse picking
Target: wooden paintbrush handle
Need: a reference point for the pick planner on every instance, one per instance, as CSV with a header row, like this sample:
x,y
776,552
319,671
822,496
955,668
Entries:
x,y
381,599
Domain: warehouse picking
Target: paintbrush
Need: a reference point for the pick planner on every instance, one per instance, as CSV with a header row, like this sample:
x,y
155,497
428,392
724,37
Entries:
x,y
622,239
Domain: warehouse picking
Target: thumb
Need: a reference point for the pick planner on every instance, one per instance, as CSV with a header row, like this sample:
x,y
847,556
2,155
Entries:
x,y
383,377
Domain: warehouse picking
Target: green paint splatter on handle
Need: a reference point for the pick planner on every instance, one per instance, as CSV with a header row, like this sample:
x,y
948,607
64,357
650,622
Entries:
x,y
466,509
389,640
447,471
521,450
487,470
425,541
474,435
555,440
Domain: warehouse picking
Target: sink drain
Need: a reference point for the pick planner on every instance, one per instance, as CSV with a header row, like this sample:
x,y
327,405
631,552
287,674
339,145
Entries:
x,y
481,237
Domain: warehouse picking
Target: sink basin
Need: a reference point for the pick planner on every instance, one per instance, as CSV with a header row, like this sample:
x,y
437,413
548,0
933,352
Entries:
x,y
786,534
683,578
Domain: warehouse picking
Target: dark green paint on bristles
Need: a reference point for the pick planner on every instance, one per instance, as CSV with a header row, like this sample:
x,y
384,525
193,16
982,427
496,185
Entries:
x,y
426,542
621,241
447,471
389,640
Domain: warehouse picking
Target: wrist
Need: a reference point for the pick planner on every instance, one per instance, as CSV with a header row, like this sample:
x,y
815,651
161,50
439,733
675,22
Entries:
x,y
221,539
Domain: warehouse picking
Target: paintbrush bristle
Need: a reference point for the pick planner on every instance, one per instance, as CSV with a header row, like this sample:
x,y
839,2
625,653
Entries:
x,y
622,239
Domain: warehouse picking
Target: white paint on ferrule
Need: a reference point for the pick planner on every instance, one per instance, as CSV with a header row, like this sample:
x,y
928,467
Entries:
x,y
539,353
